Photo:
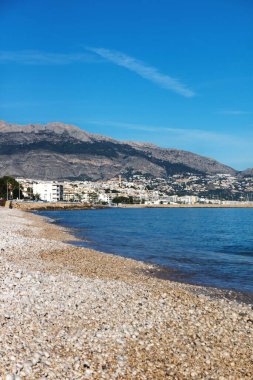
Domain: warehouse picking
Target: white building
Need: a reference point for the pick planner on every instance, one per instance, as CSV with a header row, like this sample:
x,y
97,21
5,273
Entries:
x,y
188,199
48,191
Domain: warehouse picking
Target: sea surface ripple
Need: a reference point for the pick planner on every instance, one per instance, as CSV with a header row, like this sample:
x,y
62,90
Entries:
x,y
211,247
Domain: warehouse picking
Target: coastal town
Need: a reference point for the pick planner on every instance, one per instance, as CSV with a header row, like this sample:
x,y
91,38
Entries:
x,y
138,189
126,190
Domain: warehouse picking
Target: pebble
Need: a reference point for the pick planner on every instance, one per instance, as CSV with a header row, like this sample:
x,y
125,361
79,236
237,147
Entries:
x,y
58,322
10,377
18,275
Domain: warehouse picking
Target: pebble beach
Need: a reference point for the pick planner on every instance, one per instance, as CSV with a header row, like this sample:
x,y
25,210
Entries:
x,y
73,313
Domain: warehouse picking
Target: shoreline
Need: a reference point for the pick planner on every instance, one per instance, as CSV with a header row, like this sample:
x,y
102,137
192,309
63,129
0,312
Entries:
x,y
77,313
195,205
48,206
165,272
54,206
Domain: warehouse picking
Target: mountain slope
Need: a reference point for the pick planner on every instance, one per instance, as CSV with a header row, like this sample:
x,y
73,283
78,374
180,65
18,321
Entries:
x,y
246,173
62,151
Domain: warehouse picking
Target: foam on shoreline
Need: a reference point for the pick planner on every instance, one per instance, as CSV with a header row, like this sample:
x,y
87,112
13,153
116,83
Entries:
x,y
70,312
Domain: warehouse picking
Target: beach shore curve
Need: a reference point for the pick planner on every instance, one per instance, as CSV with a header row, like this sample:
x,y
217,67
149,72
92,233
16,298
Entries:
x,y
74,313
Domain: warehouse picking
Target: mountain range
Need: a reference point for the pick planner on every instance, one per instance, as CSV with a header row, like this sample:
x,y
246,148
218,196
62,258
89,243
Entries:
x,y
57,151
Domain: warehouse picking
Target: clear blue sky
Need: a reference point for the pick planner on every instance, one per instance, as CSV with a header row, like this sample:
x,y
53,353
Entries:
x,y
177,73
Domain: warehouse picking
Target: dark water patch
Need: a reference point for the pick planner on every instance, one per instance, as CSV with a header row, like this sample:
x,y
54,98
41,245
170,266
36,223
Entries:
x,y
238,250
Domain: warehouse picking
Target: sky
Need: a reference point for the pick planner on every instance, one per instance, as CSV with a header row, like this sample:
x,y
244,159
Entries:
x,y
176,73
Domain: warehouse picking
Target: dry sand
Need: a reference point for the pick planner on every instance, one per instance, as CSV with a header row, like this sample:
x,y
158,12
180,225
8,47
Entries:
x,y
73,313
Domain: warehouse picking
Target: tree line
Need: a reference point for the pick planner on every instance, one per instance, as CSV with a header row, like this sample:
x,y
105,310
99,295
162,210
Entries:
x,y
10,188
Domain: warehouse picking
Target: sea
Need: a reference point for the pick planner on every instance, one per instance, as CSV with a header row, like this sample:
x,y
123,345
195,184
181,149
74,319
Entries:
x,y
210,247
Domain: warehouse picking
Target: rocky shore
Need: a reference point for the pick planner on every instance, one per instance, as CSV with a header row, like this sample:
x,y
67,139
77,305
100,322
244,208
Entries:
x,y
40,206
73,313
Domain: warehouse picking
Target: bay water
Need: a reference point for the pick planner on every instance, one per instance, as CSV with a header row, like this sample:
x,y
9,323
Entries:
x,y
211,247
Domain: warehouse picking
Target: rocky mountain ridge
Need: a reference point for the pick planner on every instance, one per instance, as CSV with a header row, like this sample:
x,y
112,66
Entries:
x,y
63,151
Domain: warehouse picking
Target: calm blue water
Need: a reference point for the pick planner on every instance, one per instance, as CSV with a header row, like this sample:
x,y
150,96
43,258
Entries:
x,y
208,246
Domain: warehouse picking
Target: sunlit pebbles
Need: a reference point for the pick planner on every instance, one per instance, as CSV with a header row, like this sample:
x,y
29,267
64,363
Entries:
x,y
72,313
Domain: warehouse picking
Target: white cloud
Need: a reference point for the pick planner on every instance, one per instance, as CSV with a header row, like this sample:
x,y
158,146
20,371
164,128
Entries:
x,y
148,72
35,57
